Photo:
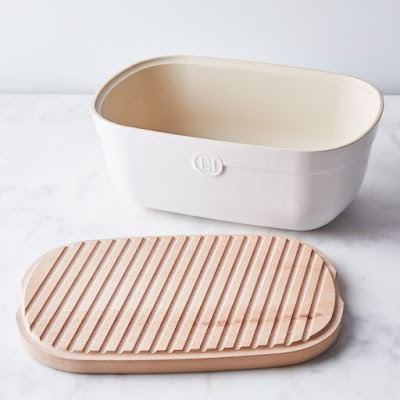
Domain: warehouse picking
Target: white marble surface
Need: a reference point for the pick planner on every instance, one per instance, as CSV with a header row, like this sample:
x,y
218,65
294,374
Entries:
x,y
54,190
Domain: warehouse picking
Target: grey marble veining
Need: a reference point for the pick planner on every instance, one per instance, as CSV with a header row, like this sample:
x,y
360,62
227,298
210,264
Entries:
x,y
54,189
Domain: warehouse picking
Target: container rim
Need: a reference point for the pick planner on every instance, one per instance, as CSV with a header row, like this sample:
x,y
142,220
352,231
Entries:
x,y
131,69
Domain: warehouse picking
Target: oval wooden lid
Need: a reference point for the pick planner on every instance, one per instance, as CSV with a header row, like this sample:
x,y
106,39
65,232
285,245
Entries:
x,y
180,303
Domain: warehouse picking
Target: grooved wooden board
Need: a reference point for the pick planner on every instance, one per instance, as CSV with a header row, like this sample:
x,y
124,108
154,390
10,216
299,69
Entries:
x,y
179,303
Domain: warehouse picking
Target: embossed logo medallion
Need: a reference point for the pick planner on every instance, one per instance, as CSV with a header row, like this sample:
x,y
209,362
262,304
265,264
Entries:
x,y
207,164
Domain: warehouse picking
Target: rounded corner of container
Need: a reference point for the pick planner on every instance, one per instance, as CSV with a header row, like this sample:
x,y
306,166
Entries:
x,y
100,94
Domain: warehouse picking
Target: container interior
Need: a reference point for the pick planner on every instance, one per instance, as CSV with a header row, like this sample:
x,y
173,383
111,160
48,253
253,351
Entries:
x,y
268,105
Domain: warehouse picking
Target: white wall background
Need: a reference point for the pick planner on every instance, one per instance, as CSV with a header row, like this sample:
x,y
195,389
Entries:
x,y
49,46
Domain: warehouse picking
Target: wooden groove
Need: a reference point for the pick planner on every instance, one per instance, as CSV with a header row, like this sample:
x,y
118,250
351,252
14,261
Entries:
x,y
316,266
122,318
56,299
315,304
203,290
107,321
39,324
121,267
179,335
68,302
247,329
35,307
119,296
72,326
270,297
231,328
230,264
139,317
204,315
67,330
146,342
263,292
144,304
91,314
103,301
282,309
158,250
178,305
46,278
300,298
155,291
166,325
229,293
285,268
199,292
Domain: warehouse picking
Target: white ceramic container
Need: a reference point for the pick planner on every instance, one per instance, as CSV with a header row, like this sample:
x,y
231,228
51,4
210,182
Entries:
x,y
239,141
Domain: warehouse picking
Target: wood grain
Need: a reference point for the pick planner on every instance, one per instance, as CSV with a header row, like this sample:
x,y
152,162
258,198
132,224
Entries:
x,y
179,303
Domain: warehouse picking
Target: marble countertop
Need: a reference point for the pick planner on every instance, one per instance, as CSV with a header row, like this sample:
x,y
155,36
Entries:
x,y
54,190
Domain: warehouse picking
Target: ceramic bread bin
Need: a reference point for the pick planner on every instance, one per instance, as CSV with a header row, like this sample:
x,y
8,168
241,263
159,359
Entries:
x,y
239,141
